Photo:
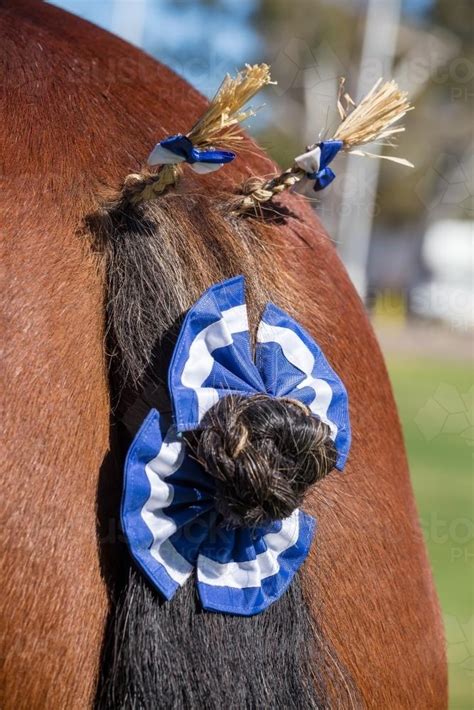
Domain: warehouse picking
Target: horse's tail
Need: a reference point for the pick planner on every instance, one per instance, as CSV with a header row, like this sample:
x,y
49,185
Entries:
x,y
172,654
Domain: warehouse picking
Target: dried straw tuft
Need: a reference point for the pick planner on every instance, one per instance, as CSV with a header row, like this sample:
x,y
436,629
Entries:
x,y
220,122
372,119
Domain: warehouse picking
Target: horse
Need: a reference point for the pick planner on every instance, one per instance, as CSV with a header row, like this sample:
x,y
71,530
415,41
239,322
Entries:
x,y
361,626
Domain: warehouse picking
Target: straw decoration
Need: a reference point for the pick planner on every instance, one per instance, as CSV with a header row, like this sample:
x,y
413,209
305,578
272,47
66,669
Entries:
x,y
219,125
370,121
220,122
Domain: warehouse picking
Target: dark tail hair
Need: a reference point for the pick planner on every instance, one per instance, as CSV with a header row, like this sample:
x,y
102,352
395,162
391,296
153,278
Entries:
x,y
172,655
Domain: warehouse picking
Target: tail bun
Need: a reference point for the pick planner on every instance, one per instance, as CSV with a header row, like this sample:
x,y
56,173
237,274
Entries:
x,y
264,453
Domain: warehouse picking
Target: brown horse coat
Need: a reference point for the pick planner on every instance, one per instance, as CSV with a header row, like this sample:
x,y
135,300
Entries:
x,y
80,108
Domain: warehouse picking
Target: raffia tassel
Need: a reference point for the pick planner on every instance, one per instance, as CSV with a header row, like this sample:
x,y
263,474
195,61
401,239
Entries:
x,y
225,112
218,125
370,121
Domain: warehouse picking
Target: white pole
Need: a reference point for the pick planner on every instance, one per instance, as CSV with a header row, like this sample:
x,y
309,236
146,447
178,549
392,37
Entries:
x,y
361,177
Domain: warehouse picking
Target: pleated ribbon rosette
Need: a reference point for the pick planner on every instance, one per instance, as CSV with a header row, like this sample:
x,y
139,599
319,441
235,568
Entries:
x,y
168,513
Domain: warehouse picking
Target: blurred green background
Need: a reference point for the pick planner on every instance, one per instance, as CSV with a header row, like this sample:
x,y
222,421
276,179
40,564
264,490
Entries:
x,y
439,391
404,235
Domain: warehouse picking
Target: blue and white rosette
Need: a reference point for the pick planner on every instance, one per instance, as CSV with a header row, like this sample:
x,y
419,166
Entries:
x,y
168,513
179,149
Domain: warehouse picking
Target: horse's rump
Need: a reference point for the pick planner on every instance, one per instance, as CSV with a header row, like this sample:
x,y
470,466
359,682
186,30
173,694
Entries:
x,y
75,123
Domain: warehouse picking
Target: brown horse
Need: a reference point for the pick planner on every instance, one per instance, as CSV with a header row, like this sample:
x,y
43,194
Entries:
x,y
80,109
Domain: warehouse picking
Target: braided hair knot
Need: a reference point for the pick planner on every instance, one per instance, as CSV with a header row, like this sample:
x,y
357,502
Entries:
x,y
264,453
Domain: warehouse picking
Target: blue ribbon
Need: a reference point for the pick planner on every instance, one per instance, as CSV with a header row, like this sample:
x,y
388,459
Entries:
x,y
324,176
182,146
168,508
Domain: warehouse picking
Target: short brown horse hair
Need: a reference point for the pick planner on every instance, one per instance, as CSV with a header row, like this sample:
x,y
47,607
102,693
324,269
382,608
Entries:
x,y
81,109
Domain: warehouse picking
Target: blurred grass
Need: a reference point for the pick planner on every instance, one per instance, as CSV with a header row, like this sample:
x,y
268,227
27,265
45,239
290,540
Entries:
x,y
440,451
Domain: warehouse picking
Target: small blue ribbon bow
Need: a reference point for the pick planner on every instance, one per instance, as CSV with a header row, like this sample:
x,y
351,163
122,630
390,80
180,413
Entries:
x,y
168,513
179,148
315,163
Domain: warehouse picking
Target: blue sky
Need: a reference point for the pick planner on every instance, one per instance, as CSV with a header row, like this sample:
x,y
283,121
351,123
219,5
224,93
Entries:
x,y
200,42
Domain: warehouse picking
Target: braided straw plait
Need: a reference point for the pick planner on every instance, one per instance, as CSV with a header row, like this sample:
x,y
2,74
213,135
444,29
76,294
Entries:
x,y
145,186
257,191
